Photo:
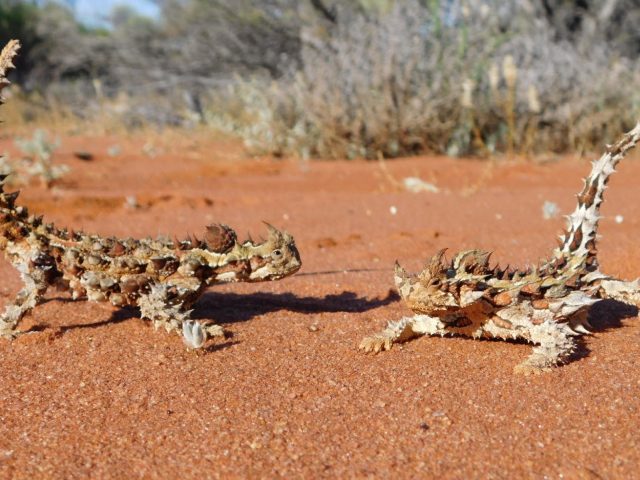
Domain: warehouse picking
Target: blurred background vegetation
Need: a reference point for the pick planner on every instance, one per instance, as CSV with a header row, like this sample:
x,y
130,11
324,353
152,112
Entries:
x,y
340,79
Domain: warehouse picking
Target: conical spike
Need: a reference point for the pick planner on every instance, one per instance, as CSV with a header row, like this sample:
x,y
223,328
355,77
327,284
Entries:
x,y
400,277
275,235
271,228
219,238
399,271
10,198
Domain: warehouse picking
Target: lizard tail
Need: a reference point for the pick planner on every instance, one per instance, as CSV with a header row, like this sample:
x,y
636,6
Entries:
x,y
578,242
6,63
9,228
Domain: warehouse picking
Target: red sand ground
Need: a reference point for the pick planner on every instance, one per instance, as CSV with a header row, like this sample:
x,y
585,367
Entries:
x,y
97,393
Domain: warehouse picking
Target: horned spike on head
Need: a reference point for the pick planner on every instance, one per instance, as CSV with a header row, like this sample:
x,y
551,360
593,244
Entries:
x,y
399,271
436,263
278,237
274,234
401,277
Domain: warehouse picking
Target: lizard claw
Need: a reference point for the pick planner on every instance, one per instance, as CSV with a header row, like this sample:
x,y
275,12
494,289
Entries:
x,y
527,369
535,364
375,344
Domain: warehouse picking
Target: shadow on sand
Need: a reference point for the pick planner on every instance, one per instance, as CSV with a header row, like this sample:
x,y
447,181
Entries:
x,y
604,315
233,307
225,308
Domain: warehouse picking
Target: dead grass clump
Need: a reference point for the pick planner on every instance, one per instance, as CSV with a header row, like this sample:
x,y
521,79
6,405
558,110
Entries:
x,y
469,80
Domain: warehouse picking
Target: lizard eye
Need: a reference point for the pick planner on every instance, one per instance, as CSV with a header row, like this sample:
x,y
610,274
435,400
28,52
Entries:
x,y
276,254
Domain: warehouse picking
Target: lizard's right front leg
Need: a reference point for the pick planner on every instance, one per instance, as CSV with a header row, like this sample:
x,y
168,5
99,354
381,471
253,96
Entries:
x,y
166,310
405,329
28,297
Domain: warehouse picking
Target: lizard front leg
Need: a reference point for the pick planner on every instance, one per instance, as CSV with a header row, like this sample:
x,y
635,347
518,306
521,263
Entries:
x,y
35,286
165,309
405,329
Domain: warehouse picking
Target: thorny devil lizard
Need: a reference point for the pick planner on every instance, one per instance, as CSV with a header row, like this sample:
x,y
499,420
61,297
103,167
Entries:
x,y
547,305
162,277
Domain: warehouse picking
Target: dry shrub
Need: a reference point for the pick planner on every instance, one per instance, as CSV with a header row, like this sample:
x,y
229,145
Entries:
x,y
414,78
355,78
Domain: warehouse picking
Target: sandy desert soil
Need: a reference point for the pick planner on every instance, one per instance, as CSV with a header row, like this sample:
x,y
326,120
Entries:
x,y
97,393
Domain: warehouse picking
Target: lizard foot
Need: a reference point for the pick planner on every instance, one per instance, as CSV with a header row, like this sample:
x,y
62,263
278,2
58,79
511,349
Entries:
x,y
534,365
376,343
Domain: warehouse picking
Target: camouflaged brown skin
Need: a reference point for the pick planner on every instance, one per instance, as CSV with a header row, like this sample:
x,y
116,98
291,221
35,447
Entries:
x,y
547,305
162,277
131,272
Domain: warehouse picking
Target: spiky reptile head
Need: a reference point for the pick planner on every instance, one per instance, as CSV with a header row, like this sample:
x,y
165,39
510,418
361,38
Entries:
x,y
443,287
273,259
219,257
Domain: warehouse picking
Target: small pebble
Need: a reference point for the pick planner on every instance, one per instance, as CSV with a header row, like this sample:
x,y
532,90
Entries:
x,y
83,155
550,210
114,150
131,202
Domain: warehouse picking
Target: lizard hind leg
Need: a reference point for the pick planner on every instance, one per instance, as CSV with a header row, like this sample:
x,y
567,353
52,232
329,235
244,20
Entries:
x,y
622,291
401,331
554,344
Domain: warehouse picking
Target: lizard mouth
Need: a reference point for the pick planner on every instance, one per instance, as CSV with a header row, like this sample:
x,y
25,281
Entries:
x,y
267,272
433,311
